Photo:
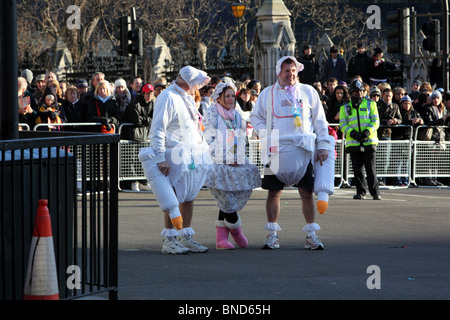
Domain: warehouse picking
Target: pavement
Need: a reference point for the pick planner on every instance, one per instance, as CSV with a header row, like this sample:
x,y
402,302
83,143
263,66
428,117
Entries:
x,y
394,249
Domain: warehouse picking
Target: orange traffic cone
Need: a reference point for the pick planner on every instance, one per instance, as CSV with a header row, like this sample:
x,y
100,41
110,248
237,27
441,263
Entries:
x,y
41,282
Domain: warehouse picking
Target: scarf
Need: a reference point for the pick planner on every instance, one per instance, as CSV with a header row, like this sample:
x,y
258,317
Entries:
x,y
103,99
224,113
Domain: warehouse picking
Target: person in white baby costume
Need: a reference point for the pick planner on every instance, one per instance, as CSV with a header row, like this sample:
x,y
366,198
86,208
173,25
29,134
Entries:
x,y
177,162
296,148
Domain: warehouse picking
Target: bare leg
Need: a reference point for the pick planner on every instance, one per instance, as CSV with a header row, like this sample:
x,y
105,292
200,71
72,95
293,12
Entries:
x,y
307,205
187,210
273,205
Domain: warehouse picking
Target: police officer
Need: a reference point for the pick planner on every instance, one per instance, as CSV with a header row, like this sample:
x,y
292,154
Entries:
x,y
359,122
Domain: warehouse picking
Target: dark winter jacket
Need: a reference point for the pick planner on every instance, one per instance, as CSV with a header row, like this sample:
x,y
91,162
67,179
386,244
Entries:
x,y
381,71
140,113
407,117
339,71
311,71
359,65
109,113
387,113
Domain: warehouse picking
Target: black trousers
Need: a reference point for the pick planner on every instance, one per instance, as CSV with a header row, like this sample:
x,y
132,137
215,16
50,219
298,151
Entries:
x,y
360,160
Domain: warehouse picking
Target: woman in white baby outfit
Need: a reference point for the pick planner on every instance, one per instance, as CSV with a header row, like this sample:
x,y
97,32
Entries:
x,y
234,177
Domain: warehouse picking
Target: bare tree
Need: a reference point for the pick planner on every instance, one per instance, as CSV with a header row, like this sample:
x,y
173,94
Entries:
x,y
48,21
344,24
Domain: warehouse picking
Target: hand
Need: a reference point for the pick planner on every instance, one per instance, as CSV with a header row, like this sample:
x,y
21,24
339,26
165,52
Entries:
x,y
366,133
392,122
164,168
321,156
356,135
51,115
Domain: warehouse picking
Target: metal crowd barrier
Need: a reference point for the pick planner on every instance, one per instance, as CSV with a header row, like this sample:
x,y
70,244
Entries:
x,y
78,150
393,159
24,127
430,159
71,124
408,159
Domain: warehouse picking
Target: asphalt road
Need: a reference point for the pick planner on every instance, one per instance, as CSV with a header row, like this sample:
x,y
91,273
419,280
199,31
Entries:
x,y
400,247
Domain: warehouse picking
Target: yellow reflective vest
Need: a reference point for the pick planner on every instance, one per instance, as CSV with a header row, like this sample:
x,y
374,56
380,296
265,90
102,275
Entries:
x,y
359,119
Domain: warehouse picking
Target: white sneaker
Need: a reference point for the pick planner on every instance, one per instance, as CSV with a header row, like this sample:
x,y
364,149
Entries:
x,y
135,186
313,243
172,246
145,187
272,242
192,245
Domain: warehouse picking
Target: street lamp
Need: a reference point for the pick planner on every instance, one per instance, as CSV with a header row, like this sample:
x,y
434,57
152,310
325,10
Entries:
x,y
238,12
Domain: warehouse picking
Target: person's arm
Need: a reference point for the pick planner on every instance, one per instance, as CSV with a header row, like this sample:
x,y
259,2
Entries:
x,y
163,114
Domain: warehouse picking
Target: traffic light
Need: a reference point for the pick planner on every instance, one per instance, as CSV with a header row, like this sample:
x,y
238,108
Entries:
x,y
431,29
135,45
125,27
399,39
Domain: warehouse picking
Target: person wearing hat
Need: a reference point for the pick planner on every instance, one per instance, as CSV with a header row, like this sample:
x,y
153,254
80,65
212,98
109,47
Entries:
x,y
359,64
311,66
234,177
410,117
122,95
436,114
177,162
139,112
28,75
359,123
40,87
159,87
415,86
82,87
290,121
375,95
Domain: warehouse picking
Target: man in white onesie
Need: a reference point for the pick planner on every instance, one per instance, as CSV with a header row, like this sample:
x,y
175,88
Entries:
x,y
177,162
291,124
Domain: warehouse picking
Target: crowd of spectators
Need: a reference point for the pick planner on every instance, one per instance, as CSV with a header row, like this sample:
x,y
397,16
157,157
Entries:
x,y
51,102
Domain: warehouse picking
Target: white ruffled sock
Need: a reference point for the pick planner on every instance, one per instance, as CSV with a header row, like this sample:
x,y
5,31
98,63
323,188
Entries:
x,y
311,228
166,232
187,232
273,227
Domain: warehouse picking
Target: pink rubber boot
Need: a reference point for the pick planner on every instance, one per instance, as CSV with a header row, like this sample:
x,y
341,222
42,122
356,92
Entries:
x,y
222,236
236,232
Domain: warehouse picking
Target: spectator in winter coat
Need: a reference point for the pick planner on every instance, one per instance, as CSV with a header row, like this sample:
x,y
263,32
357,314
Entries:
x,y
335,67
311,71
103,108
140,113
359,64
72,108
379,69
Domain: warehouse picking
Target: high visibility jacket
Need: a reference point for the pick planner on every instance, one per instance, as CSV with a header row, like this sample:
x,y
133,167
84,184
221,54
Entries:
x,y
359,119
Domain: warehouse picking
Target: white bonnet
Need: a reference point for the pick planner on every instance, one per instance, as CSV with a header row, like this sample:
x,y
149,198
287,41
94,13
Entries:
x,y
299,66
219,88
194,78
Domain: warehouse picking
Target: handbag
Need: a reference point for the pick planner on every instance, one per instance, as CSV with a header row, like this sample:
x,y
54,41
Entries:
x,y
424,134
103,128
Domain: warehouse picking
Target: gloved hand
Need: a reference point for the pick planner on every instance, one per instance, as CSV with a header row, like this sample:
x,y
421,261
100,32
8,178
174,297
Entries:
x,y
104,121
108,126
366,133
358,136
